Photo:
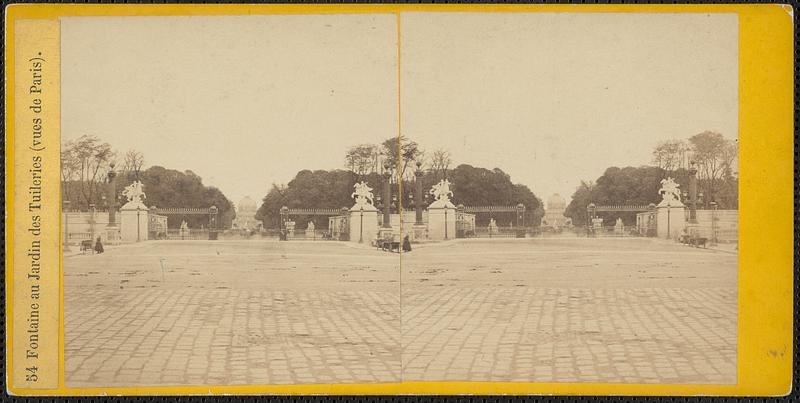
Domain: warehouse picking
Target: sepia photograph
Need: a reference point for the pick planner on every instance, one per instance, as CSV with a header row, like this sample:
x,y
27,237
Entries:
x,y
400,197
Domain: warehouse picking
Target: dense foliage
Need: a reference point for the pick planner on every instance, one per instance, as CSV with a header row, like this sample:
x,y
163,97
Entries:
x,y
165,188
87,161
640,186
332,189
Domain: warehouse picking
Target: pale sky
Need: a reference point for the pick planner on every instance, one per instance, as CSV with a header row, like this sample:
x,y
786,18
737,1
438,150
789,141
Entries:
x,y
243,101
551,98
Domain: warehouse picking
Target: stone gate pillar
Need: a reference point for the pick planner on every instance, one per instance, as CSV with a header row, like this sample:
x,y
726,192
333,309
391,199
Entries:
x,y
134,214
363,222
670,213
441,213
363,217
133,223
442,222
670,221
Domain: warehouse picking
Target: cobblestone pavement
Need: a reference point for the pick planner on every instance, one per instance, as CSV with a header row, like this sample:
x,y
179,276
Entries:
x,y
569,311
251,312
208,321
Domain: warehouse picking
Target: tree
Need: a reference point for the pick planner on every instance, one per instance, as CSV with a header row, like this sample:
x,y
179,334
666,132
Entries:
x,y
576,210
84,161
716,158
132,162
171,188
268,212
70,166
311,189
399,152
622,186
474,186
362,159
332,189
440,163
670,155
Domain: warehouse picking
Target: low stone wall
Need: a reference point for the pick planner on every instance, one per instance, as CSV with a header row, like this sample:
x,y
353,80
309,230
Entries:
x,y
81,226
78,226
722,225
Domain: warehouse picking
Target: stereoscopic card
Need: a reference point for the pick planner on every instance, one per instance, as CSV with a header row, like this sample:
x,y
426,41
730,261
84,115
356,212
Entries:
x,y
399,199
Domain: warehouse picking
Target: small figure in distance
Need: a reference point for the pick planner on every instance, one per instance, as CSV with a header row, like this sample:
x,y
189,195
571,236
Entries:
x,y
98,246
406,244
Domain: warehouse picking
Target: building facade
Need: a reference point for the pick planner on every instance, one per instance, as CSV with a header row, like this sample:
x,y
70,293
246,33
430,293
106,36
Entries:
x,y
554,212
246,215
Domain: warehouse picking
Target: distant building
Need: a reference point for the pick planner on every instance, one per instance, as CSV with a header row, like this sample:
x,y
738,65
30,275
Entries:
x,y
554,212
246,215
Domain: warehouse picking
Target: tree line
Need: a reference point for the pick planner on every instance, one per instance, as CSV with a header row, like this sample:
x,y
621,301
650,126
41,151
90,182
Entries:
x,y
400,158
714,157
87,160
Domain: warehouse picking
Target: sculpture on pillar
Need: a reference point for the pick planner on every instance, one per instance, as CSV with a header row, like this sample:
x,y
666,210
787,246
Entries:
x,y
134,225
363,195
670,193
441,192
135,194
670,223
442,213
362,219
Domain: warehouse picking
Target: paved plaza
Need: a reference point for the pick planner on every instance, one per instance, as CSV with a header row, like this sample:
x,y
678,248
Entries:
x,y
231,313
265,312
569,310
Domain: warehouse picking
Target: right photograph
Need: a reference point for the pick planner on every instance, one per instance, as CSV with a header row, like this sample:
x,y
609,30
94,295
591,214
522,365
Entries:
x,y
571,197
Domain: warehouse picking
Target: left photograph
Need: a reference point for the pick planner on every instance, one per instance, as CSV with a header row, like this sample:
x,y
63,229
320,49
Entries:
x,y
207,166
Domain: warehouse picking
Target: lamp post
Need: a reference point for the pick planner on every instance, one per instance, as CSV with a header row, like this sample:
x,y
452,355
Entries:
x,y
521,220
112,197
520,215
387,196
284,234
418,191
66,226
693,192
344,225
212,222
590,213
361,224
152,217
460,221
445,223
138,225
103,205
92,211
713,222
651,220
669,235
